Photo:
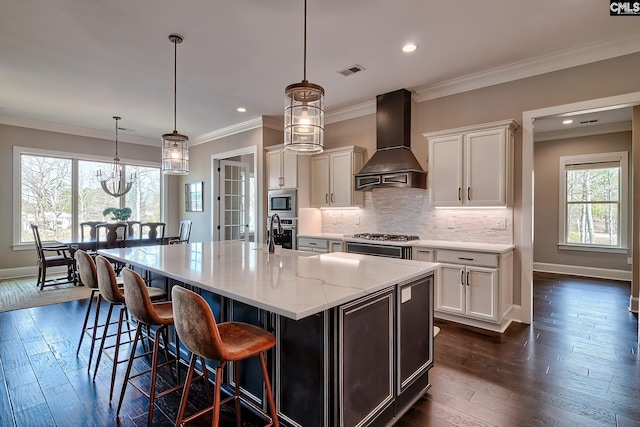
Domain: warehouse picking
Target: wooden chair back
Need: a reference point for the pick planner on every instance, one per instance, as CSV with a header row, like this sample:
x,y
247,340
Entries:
x,y
152,230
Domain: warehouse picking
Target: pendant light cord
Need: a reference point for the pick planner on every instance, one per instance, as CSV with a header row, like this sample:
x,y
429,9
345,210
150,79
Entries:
x,y
305,41
175,72
117,118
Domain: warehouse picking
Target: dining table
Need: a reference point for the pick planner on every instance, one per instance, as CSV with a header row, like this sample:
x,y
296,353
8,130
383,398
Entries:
x,y
89,243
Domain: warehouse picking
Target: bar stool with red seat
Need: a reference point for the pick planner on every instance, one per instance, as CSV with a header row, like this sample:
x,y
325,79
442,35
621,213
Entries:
x,y
225,342
147,314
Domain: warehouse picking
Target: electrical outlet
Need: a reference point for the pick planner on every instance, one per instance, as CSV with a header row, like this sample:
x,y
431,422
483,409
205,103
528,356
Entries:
x,y
499,224
629,260
357,219
451,223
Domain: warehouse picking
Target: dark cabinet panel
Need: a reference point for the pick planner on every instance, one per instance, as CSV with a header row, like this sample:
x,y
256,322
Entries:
x,y
251,382
415,330
366,356
302,359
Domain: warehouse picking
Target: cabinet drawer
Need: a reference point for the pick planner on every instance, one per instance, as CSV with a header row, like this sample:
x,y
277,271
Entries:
x,y
468,258
310,242
423,254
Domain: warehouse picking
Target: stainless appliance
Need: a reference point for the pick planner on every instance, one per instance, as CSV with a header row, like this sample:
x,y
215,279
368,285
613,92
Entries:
x,y
282,202
387,245
393,164
288,239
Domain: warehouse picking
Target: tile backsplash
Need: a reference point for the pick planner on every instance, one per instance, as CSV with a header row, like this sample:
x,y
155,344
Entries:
x,y
408,211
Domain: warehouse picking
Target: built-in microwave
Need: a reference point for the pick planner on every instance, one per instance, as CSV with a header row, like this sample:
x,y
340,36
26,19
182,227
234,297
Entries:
x,y
282,202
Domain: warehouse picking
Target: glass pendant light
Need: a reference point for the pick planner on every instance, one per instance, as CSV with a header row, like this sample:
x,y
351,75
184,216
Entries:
x,y
175,146
113,181
304,111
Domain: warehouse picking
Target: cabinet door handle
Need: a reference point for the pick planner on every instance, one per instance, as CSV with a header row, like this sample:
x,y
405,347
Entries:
x,y
326,197
468,284
465,259
331,197
462,277
468,193
459,192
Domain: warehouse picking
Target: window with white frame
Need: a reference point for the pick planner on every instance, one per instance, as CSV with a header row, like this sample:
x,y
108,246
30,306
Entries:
x,y
593,201
58,192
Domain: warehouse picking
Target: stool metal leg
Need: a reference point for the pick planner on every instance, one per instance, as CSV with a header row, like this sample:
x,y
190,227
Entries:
x,y
86,319
216,394
129,365
267,383
236,375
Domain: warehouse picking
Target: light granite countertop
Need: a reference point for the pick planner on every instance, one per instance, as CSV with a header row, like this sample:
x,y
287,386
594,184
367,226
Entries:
x,y
293,284
436,244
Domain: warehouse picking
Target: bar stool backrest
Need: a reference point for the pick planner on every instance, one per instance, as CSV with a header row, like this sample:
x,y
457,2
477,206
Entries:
x,y
137,296
87,269
107,281
202,336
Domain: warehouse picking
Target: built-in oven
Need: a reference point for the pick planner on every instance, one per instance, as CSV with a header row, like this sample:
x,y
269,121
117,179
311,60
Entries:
x,y
282,202
288,239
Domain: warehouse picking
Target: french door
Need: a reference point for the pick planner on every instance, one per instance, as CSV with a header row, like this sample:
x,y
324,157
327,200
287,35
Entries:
x,y
234,200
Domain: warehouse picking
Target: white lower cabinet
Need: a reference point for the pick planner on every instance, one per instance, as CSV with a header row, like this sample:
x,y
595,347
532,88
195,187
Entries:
x,y
469,291
319,245
475,288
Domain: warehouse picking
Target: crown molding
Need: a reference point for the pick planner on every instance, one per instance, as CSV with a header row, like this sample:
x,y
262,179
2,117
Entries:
x,y
228,131
586,54
352,112
24,122
582,131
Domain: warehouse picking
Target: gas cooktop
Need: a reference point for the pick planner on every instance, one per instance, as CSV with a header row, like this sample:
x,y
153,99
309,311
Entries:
x,y
385,237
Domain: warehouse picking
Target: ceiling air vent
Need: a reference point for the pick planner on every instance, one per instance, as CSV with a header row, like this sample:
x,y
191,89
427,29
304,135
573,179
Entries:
x,y
351,70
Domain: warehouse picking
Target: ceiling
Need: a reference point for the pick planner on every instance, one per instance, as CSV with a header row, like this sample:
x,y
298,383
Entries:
x,y
73,64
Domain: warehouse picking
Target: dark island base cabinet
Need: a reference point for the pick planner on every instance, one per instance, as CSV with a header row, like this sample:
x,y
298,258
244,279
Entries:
x,y
361,364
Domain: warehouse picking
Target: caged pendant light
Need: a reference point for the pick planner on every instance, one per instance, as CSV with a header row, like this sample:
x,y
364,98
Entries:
x,y
113,181
304,111
175,146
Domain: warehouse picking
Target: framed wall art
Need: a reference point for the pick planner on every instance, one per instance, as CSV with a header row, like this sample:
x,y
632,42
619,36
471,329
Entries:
x,y
193,196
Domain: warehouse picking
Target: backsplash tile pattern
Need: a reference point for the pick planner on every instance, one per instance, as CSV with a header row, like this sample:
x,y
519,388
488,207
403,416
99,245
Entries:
x,y
408,211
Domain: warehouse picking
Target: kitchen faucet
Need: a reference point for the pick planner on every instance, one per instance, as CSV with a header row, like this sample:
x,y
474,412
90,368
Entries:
x,y
272,243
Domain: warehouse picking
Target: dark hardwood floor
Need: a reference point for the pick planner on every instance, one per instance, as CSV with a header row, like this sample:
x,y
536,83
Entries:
x,y
577,365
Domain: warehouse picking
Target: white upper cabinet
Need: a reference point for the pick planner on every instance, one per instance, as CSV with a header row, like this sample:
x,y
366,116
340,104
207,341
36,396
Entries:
x,y
282,168
332,173
472,166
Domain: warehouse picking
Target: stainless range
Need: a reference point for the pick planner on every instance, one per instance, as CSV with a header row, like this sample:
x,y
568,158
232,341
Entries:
x,y
387,245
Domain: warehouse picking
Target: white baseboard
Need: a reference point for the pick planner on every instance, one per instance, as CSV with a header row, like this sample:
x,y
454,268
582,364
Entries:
x,y
574,270
633,304
516,313
16,273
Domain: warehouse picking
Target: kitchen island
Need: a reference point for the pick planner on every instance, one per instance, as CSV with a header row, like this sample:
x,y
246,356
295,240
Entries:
x,y
355,332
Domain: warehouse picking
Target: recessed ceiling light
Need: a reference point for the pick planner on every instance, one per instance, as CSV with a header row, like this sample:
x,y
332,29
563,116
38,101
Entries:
x,y
241,110
567,122
409,47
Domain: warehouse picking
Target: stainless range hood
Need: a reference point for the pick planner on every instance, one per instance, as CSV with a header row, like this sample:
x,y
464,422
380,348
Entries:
x,y
393,164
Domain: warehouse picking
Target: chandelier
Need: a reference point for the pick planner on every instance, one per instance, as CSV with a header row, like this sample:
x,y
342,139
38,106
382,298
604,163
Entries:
x,y
304,111
113,180
175,146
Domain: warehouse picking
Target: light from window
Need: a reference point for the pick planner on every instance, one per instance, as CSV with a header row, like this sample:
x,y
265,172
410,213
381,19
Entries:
x,y
45,197
144,197
594,200
48,183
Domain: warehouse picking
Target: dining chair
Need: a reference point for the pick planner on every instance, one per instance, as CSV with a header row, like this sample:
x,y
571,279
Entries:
x,y
90,226
152,231
134,229
183,234
110,235
53,256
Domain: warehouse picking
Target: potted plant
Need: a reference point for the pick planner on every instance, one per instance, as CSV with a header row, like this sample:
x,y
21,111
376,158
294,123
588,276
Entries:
x,y
118,214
